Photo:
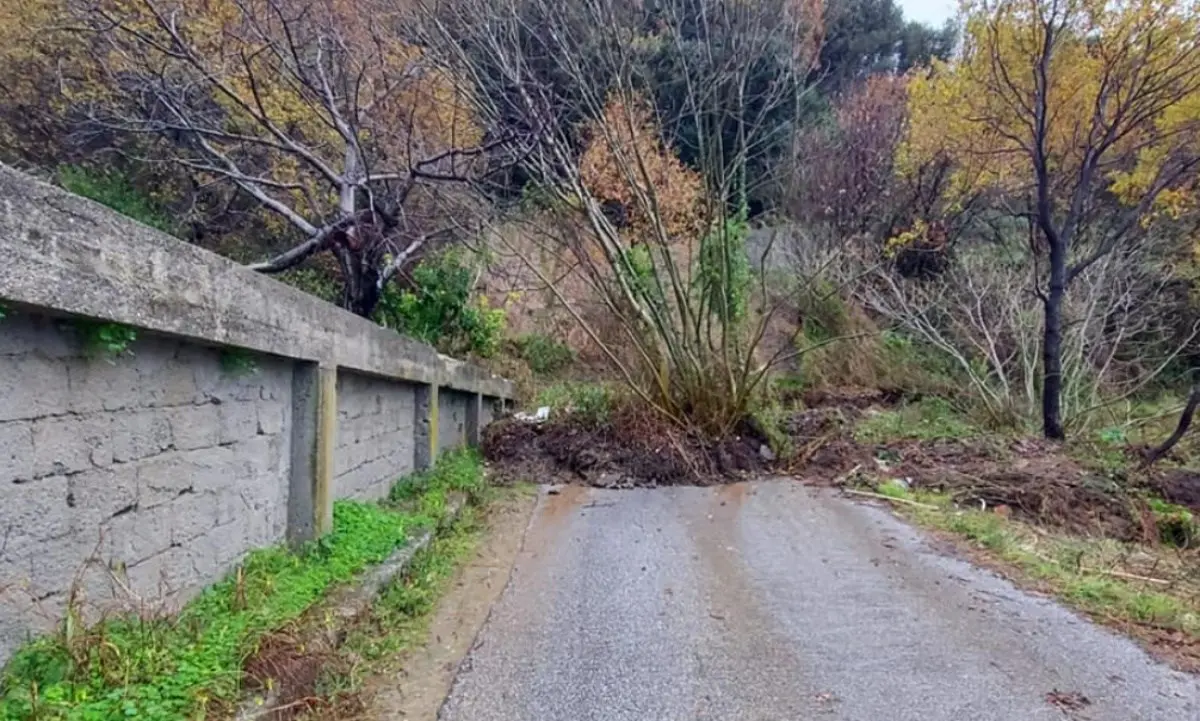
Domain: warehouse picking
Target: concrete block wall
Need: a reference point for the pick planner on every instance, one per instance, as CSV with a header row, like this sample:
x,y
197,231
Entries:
x,y
452,419
375,442
158,464
157,471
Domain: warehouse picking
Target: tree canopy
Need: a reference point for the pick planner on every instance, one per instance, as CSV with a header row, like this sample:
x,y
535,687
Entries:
x,y
1082,116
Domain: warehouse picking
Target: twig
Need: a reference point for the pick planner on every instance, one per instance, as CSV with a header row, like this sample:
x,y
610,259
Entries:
x,y
845,476
813,446
869,494
1130,576
1117,574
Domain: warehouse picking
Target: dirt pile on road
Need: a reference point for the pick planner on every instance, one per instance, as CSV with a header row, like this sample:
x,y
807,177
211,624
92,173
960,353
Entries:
x,y
630,450
1031,479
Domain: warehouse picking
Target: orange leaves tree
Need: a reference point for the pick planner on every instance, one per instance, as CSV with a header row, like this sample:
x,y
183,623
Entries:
x,y
662,243
323,112
1084,115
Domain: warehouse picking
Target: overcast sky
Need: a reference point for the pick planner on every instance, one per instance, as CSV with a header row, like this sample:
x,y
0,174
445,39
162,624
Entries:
x,y
931,12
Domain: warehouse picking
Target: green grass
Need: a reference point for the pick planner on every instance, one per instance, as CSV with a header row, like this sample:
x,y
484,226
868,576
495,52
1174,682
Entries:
x,y
399,618
190,666
928,419
1077,570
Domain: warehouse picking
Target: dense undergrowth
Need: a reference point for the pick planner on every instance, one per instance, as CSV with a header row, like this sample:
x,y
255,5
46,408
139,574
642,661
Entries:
x,y
190,665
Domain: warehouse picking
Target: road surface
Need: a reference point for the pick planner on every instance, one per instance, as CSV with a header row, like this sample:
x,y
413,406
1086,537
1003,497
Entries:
x,y
777,602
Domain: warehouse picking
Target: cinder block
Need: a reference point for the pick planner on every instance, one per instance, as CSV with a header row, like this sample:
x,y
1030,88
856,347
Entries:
x,y
164,379
32,386
107,384
271,417
24,334
165,477
238,420
139,434
194,426
16,454
69,444
99,493
36,512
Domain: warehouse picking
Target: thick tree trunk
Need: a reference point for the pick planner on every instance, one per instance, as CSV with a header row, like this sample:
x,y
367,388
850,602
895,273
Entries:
x,y
1052,375
1185,422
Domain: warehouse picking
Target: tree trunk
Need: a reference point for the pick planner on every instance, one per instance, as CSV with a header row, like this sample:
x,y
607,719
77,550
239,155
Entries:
x,y
1185,421
1052,346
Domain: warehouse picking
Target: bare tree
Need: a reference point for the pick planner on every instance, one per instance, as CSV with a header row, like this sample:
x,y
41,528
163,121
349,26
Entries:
x,y
977,314
322,111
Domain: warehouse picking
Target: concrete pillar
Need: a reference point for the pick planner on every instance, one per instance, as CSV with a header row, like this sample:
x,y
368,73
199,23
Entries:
x,y
474,422
314,438
425,427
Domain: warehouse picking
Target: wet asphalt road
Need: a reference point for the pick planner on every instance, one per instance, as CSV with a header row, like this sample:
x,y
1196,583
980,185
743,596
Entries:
x,y
777,602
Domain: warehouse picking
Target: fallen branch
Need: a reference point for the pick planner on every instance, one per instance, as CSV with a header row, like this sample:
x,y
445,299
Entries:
x,y
906,501
1116,574
1130,576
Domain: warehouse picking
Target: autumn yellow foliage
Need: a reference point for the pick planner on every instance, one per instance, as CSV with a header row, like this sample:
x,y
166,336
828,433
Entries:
x,y
1122,82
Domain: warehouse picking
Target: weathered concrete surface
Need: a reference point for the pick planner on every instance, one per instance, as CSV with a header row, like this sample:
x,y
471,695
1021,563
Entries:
x,y
776,602
64,252
375,435
159,464
452,418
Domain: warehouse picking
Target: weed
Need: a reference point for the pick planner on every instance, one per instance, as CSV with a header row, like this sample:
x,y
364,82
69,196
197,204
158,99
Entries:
x,y
424,494
238,362
545,355
190,666
768,420
928,419
988,530
400,614
894,489
105,340
3,311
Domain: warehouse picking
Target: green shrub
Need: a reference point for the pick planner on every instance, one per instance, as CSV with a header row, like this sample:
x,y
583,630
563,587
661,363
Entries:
x,y
724,268
116,190
314,282
438,308
545,355
590,402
